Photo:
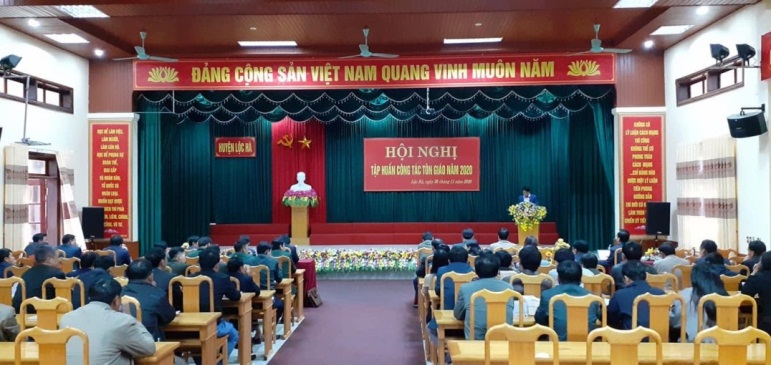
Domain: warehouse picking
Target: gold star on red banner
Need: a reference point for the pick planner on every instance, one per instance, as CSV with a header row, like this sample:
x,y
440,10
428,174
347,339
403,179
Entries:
x,y
306,143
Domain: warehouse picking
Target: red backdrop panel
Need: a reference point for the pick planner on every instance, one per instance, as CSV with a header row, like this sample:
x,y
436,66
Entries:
x,y
290,155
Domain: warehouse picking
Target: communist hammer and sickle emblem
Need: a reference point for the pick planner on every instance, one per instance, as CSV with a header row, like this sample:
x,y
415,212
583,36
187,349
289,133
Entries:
x,y
286,141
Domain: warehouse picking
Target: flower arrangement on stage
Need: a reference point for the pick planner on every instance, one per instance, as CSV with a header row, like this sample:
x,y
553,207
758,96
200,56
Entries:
x,y
548,252
650,254
300,199
527,214
347,260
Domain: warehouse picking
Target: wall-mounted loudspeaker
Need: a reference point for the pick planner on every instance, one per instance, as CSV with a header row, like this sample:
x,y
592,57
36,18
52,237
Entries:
x,y
747,124
93,222
657,218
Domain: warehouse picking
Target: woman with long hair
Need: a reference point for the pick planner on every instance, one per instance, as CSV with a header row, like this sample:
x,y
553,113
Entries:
x,y
704,281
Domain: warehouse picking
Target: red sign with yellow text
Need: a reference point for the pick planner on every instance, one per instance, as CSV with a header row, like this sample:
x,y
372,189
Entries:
x,y
335,73
235,147
642,168
110,175
421,164
765,56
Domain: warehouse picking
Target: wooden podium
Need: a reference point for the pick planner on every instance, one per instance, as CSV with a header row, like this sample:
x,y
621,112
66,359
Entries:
x,y
300,226
522,234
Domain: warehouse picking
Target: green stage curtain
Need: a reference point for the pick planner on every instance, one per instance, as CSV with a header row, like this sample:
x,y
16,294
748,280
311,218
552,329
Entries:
x,y
149,191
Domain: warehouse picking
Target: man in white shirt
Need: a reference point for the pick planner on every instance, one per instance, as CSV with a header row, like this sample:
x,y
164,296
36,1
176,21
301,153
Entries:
x,y
566,254
669,260
503,241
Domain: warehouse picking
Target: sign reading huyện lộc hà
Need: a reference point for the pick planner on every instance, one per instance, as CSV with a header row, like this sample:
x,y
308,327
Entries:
x,y
110,155
403,72
421,164
235,147
642,168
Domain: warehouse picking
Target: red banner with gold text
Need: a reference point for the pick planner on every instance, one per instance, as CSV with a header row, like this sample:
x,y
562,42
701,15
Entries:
x,y
110,175
235,147
421,164
403,72
765,56
642,168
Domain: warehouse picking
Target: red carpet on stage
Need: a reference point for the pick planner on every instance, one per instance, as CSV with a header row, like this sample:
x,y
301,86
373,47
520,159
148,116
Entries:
x,y
378,233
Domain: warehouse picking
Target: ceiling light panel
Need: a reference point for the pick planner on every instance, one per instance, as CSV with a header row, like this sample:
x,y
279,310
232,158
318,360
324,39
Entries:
x,y
671,29
267,43
621,4
67,38
472,40
82,11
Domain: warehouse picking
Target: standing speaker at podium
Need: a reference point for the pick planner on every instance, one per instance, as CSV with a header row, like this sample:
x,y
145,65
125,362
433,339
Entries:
x,y
527,197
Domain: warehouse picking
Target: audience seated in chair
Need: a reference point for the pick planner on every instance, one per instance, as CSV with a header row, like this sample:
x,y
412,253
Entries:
x,y
441,259
38,239
631,251
161,277
704,281
70,247
503,241
101,266
122,256
223,287
468,238
589,262
707,247
177,261
243,253
622,237
622,302
569,276
565,254
759,283
486,268
755,250
236,269
9,328
580,248
505,260
668,261
458,264
276,251
428,242
114,337
86,264
46,267
199,246
529,261
6,260
153,300
292,248
718,264
264,258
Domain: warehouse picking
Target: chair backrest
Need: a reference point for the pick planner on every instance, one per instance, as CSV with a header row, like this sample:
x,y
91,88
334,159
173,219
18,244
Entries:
x,y
122,280
168,269
471,261
61,254
423,252
107,253
616,255
496,308
225,258
285,265
731,345
192,269
118,271
727,316
685,275
727,253
599,284
64,288
511,250
6,290
660,281
739,269
48,311
601,269
458,280
191,292
134,307
51,344
68,264
546,269
532,283
257,273
191,260
577,314
18,254
428,261
624,344
26,261
229,252
237,282
658,307
682,252
732,283
521,342
18,271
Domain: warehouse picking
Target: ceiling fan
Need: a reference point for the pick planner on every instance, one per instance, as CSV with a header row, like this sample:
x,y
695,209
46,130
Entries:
x,y
141,55
597,45
366,53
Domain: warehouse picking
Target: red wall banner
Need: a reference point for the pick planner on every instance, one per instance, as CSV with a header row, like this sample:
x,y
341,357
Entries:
x,y
421,164
335,73
235,147
109,164
642,168
765,56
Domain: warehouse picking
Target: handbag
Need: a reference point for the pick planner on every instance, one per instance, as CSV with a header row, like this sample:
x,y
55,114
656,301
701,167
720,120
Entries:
x,y
314,299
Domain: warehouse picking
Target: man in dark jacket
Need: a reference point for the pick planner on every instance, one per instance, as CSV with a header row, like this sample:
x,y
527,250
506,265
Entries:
x,y
122,255
156,310
38,239
86,265
759,283
237,270
161,277
46,267
101,265
70,247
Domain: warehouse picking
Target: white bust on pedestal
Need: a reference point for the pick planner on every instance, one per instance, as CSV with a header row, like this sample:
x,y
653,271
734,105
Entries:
x,y
301,185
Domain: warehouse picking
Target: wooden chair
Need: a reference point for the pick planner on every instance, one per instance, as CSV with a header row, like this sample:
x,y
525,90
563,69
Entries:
x,y
511,250
521,342
731,345
458,280
739,269
616,254
624,344
727,253
428,261
26,261
110,253
225,258
192,269
732,283
51,344
256,273
48,311
191,260
118,271
134,307
191,292
685,275
229,252
661,280
6,290
471,261
285,264
17,271
546,269
496,308
122,280
600,284
682,252
577,314
423,252
18,254
531,283
64,288
601,269
61,254
68,264
168,269
658,307
727,310
237,282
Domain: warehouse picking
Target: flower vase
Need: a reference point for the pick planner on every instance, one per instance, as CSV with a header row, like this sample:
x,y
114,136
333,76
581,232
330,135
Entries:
x,y
533,231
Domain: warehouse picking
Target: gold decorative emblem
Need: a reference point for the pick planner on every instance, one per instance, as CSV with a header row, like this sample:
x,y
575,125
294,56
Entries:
x,y
163,74
287,141
584,68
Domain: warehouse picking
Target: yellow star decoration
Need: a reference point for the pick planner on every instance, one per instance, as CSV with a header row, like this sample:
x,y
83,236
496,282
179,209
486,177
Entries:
x,y
306,143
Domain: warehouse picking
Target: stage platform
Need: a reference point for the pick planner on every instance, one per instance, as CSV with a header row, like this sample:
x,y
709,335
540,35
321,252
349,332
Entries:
x,y
378,233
